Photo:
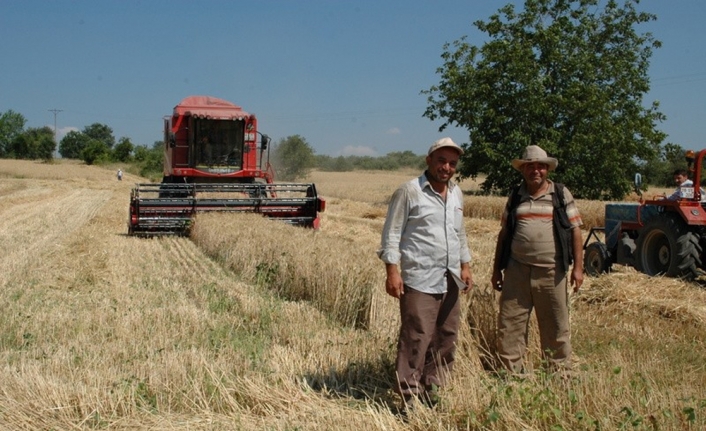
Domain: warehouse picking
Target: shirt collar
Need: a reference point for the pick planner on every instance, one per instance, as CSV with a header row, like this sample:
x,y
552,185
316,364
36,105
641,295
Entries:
x,y
424,182
525,194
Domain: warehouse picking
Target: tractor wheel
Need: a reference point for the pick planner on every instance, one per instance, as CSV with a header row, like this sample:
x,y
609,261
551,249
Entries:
x,y
596,259
666,246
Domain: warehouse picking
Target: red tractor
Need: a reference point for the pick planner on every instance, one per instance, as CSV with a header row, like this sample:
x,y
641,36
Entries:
x,y
215,159
657,236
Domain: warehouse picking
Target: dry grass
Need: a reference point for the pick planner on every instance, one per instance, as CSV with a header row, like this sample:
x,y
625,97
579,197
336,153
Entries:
x,y
366,194
250,325
299,264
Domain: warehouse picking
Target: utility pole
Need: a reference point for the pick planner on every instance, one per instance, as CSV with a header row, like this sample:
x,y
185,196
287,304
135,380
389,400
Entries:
x,y
55,111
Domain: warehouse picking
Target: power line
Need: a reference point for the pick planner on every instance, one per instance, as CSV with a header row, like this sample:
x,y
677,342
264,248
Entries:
x,y
55,111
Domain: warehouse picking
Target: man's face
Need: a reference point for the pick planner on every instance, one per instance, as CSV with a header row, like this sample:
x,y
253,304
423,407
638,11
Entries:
x,y
442,164
679,178
535,173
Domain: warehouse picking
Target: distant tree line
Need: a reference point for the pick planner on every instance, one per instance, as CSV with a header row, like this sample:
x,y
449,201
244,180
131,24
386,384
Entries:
x,y
95,144
389,162
293,157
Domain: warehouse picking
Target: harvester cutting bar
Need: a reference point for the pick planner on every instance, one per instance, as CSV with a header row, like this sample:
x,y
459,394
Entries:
x,y
247,188
168,209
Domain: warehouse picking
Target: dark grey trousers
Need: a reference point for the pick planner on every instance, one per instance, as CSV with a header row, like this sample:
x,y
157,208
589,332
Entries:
x,y
427,340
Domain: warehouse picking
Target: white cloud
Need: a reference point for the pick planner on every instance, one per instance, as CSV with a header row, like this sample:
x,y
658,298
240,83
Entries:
x,y
360,150
62,131
394,131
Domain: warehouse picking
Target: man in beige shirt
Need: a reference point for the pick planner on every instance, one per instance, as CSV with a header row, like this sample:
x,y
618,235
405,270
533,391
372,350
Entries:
x,y
537,242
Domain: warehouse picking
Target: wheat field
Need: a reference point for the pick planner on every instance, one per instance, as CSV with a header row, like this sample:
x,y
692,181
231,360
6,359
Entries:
x,y
255,325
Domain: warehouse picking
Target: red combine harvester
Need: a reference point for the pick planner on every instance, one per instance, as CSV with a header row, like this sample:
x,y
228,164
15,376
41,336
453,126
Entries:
x,y
216,160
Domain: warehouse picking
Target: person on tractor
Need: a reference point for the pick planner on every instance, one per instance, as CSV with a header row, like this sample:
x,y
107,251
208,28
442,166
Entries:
x,y
681,179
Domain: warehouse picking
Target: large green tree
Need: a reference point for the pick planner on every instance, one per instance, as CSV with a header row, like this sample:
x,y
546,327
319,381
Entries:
x,y
293,158
11,126
568,75
33,143
72,144
100,132
95,151
123,150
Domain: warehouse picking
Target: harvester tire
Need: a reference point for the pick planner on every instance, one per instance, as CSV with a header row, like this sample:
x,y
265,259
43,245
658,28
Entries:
x,y
596,259
666,246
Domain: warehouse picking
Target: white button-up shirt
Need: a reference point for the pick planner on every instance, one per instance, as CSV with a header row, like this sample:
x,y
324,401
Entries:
x,y
425,235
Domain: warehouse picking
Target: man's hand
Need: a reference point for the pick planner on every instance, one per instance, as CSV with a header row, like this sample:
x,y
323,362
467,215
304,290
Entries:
x,y
467,277
496,280
577,278
393,284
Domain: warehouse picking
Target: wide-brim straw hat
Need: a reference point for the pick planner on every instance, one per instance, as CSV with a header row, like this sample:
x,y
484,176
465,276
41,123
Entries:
x,y
534,154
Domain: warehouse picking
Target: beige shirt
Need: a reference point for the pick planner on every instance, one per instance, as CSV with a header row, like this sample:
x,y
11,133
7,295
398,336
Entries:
x,y
534,242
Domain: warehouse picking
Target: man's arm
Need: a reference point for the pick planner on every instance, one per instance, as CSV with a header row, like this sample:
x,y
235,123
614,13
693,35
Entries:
x,y
389,251
496,279
577,273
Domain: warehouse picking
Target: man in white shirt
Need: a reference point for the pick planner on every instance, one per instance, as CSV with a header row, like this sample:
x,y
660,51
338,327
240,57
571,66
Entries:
x,y
427,261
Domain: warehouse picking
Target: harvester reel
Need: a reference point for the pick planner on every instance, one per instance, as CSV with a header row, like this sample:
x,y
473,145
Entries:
x,y
666,246
596,259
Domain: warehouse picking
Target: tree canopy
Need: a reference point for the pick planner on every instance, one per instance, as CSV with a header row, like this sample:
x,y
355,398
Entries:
x,y
72,144
34,143
12,124
567,75
293,158
100,132
123,150
94,144
95,151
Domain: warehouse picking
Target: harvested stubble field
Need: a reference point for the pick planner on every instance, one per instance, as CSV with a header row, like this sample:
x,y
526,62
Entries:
x,y
251,324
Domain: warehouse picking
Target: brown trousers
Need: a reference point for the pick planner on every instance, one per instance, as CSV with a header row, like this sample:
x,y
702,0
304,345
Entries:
x,y
427,340
544,289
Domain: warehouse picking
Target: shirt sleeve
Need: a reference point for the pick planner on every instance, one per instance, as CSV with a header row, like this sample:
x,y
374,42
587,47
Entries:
x,y
572,210
464,250
397,215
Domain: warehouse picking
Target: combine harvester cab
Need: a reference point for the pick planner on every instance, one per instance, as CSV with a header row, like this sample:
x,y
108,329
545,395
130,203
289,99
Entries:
x,y
216,160
656,236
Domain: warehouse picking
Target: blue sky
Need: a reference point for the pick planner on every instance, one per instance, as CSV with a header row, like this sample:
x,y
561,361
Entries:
x,y
344,75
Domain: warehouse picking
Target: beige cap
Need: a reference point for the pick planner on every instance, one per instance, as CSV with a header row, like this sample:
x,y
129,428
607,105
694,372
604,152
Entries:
x,y
445,142
535,154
